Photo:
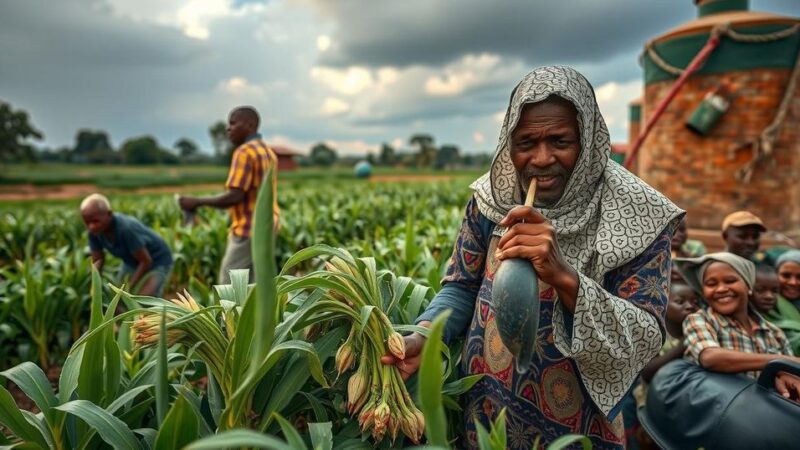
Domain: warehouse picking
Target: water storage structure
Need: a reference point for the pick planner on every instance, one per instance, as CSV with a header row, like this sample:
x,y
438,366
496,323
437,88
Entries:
x,y
730,137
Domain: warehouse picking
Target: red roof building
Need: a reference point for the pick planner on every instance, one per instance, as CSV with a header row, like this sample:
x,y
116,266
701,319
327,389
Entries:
x,y
286,157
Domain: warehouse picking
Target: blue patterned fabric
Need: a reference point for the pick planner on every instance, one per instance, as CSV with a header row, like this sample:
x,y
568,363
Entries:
x,y
550,400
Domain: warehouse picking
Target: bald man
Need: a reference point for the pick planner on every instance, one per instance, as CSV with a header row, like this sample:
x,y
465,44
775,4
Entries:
x,y
146,258
251,160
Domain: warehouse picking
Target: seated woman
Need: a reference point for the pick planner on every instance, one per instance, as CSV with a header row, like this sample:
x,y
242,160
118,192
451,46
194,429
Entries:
x,y
728,335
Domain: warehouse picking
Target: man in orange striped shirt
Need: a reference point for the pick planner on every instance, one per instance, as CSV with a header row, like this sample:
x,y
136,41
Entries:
x,y
251,160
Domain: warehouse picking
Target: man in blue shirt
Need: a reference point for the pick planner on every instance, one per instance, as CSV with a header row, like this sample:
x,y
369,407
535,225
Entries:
x,y
145,255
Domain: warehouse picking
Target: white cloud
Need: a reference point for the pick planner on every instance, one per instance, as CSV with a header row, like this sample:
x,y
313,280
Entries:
x,y
240,87
193,17
613,99
350,81
478,137
333,106
470,71
323,42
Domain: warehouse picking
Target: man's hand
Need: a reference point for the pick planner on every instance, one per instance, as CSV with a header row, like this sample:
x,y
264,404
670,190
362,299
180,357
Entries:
x,y
188,203
788,385
410,364
532,237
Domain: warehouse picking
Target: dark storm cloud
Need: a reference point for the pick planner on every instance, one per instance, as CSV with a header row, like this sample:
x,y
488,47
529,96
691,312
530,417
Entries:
x,y
78,63
434,33
85,33
83,63
424,32
75,64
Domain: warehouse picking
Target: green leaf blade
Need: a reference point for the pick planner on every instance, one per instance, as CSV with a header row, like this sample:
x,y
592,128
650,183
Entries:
x,y
112,430
239,438
180,427
34,383
430,384
12,418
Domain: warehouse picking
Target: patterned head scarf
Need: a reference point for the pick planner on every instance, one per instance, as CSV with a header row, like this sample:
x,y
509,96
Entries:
x,y
789,256
693,269
606,216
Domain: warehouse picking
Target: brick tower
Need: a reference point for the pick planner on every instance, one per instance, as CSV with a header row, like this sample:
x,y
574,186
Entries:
x,y
751,69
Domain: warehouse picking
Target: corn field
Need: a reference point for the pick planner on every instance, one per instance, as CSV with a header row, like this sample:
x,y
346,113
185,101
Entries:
x,y
289,362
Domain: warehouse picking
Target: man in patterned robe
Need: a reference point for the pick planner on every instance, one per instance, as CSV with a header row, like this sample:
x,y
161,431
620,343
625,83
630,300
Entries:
x,y
599,240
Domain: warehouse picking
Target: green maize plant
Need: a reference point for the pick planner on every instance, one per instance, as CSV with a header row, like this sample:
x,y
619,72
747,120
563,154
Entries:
x,y
354,291
46,299
96,403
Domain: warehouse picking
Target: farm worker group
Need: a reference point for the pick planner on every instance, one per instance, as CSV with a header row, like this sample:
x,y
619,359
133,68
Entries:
x,y
147,259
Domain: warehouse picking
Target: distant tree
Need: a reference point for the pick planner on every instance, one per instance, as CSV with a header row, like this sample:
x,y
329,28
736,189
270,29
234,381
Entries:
x,y
323,155
387,156
15,129
93,146
426,157
421,140
186,148
88,141
447,156
219,140
371,158
145,150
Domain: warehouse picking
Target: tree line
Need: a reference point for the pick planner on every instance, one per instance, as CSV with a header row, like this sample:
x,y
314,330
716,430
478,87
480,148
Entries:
x,y
94,147
423,153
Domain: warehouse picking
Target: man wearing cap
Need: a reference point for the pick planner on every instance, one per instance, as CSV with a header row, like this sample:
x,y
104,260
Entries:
x,y
741,232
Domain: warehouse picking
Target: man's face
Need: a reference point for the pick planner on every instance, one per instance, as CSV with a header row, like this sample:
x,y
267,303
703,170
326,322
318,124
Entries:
x,y
765,292
743,241
96,221
239,128
545,145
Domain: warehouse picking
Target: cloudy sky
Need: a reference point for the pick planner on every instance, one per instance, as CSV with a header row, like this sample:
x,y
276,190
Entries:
x,y
353,73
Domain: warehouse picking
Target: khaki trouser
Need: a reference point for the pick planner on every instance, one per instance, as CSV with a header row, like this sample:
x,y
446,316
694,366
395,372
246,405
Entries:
x,y
237,256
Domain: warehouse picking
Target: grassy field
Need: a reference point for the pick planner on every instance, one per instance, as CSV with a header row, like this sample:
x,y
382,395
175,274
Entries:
x,y
132,177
